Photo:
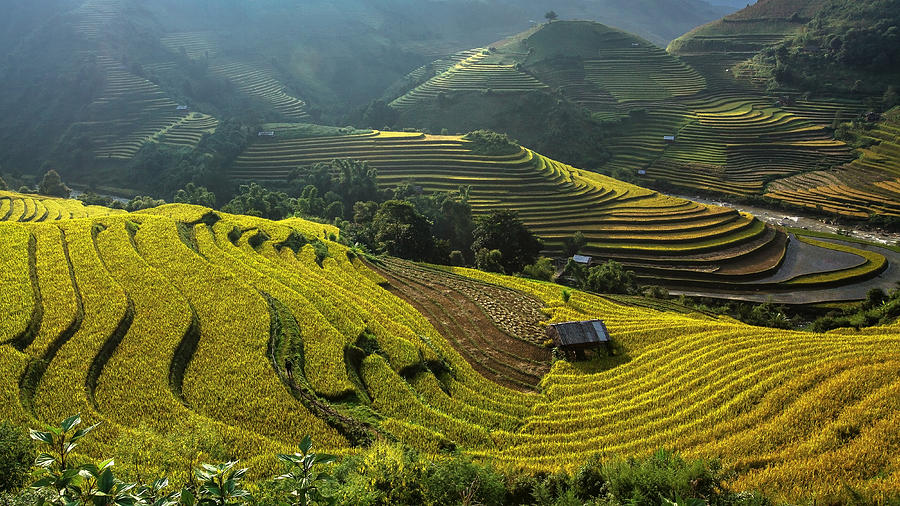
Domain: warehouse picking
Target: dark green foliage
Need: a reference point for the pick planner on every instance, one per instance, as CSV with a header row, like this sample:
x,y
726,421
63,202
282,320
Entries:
x,y
504,231
303,477
542,269
402,231
53,186
256,200
572,245
551,16
92,199
3,186
392,474
449,212
589,481
16,457
378,114
258,239
331,190
197,195
143,202
489,260
488,143
662,476
878,309
611,277
847,48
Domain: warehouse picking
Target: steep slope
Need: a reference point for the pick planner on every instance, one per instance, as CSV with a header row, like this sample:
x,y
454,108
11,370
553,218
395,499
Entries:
x,y
662,122
869,185
132,320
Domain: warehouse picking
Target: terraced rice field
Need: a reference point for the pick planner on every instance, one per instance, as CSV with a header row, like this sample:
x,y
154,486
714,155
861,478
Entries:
x,y
18,207
132,111
93,15
736,144
642,72
868,185
114,317
660,237
259,82
473,73
190,131
194,45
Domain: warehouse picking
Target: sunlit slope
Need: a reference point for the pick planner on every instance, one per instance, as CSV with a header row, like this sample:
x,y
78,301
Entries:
x,y
653,231
796,415
181,319
38,208
868,185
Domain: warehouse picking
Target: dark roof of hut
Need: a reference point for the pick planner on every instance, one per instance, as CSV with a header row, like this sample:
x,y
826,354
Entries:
x,y
586,332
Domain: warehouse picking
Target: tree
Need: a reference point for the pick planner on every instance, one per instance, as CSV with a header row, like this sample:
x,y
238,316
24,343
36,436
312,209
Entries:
x,y
16,457
572,245
53,186
542,269
256,200
551,16
611,277
197,195
143,202
489,260
401,231
504,231
3,185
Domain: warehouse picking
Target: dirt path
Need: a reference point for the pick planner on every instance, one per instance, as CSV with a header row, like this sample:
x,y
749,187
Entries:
x,y
482,334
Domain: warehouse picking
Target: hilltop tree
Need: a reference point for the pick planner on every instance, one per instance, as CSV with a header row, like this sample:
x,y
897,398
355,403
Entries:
x,y
3,185
197,195
256,200
505,232
53,186
551,16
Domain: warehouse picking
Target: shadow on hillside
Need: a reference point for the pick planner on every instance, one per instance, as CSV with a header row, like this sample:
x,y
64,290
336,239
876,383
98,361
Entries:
x,y
599,362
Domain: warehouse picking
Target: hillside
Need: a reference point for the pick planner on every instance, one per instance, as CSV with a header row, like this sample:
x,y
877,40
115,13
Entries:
x,y
666,240
130,320
86,84
824,47
677,121
866,186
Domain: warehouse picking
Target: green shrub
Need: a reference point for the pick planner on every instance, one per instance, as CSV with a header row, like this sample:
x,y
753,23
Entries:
x,y
664,475
541,270
489,143
16,457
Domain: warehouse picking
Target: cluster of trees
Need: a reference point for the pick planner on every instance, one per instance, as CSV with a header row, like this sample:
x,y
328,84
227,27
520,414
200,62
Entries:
x,y
163,170
849,48
405,221
879,308
384,473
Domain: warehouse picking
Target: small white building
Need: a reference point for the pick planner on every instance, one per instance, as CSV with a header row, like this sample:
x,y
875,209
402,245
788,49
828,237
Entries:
x,y
181,108
266,134
669,138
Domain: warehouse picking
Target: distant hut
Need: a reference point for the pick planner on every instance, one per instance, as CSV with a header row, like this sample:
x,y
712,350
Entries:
x,y
581,259
268,133
573,338
669,138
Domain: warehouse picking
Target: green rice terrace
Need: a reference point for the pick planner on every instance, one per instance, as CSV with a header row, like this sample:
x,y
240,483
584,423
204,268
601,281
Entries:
x,y
868,185
99,308
680,125
665,239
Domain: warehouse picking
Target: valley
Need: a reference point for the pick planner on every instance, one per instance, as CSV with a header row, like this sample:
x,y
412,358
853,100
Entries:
x,y
454,252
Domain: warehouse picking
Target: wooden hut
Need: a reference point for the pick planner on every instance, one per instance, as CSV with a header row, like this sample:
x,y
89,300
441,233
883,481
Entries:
x,y
573,338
